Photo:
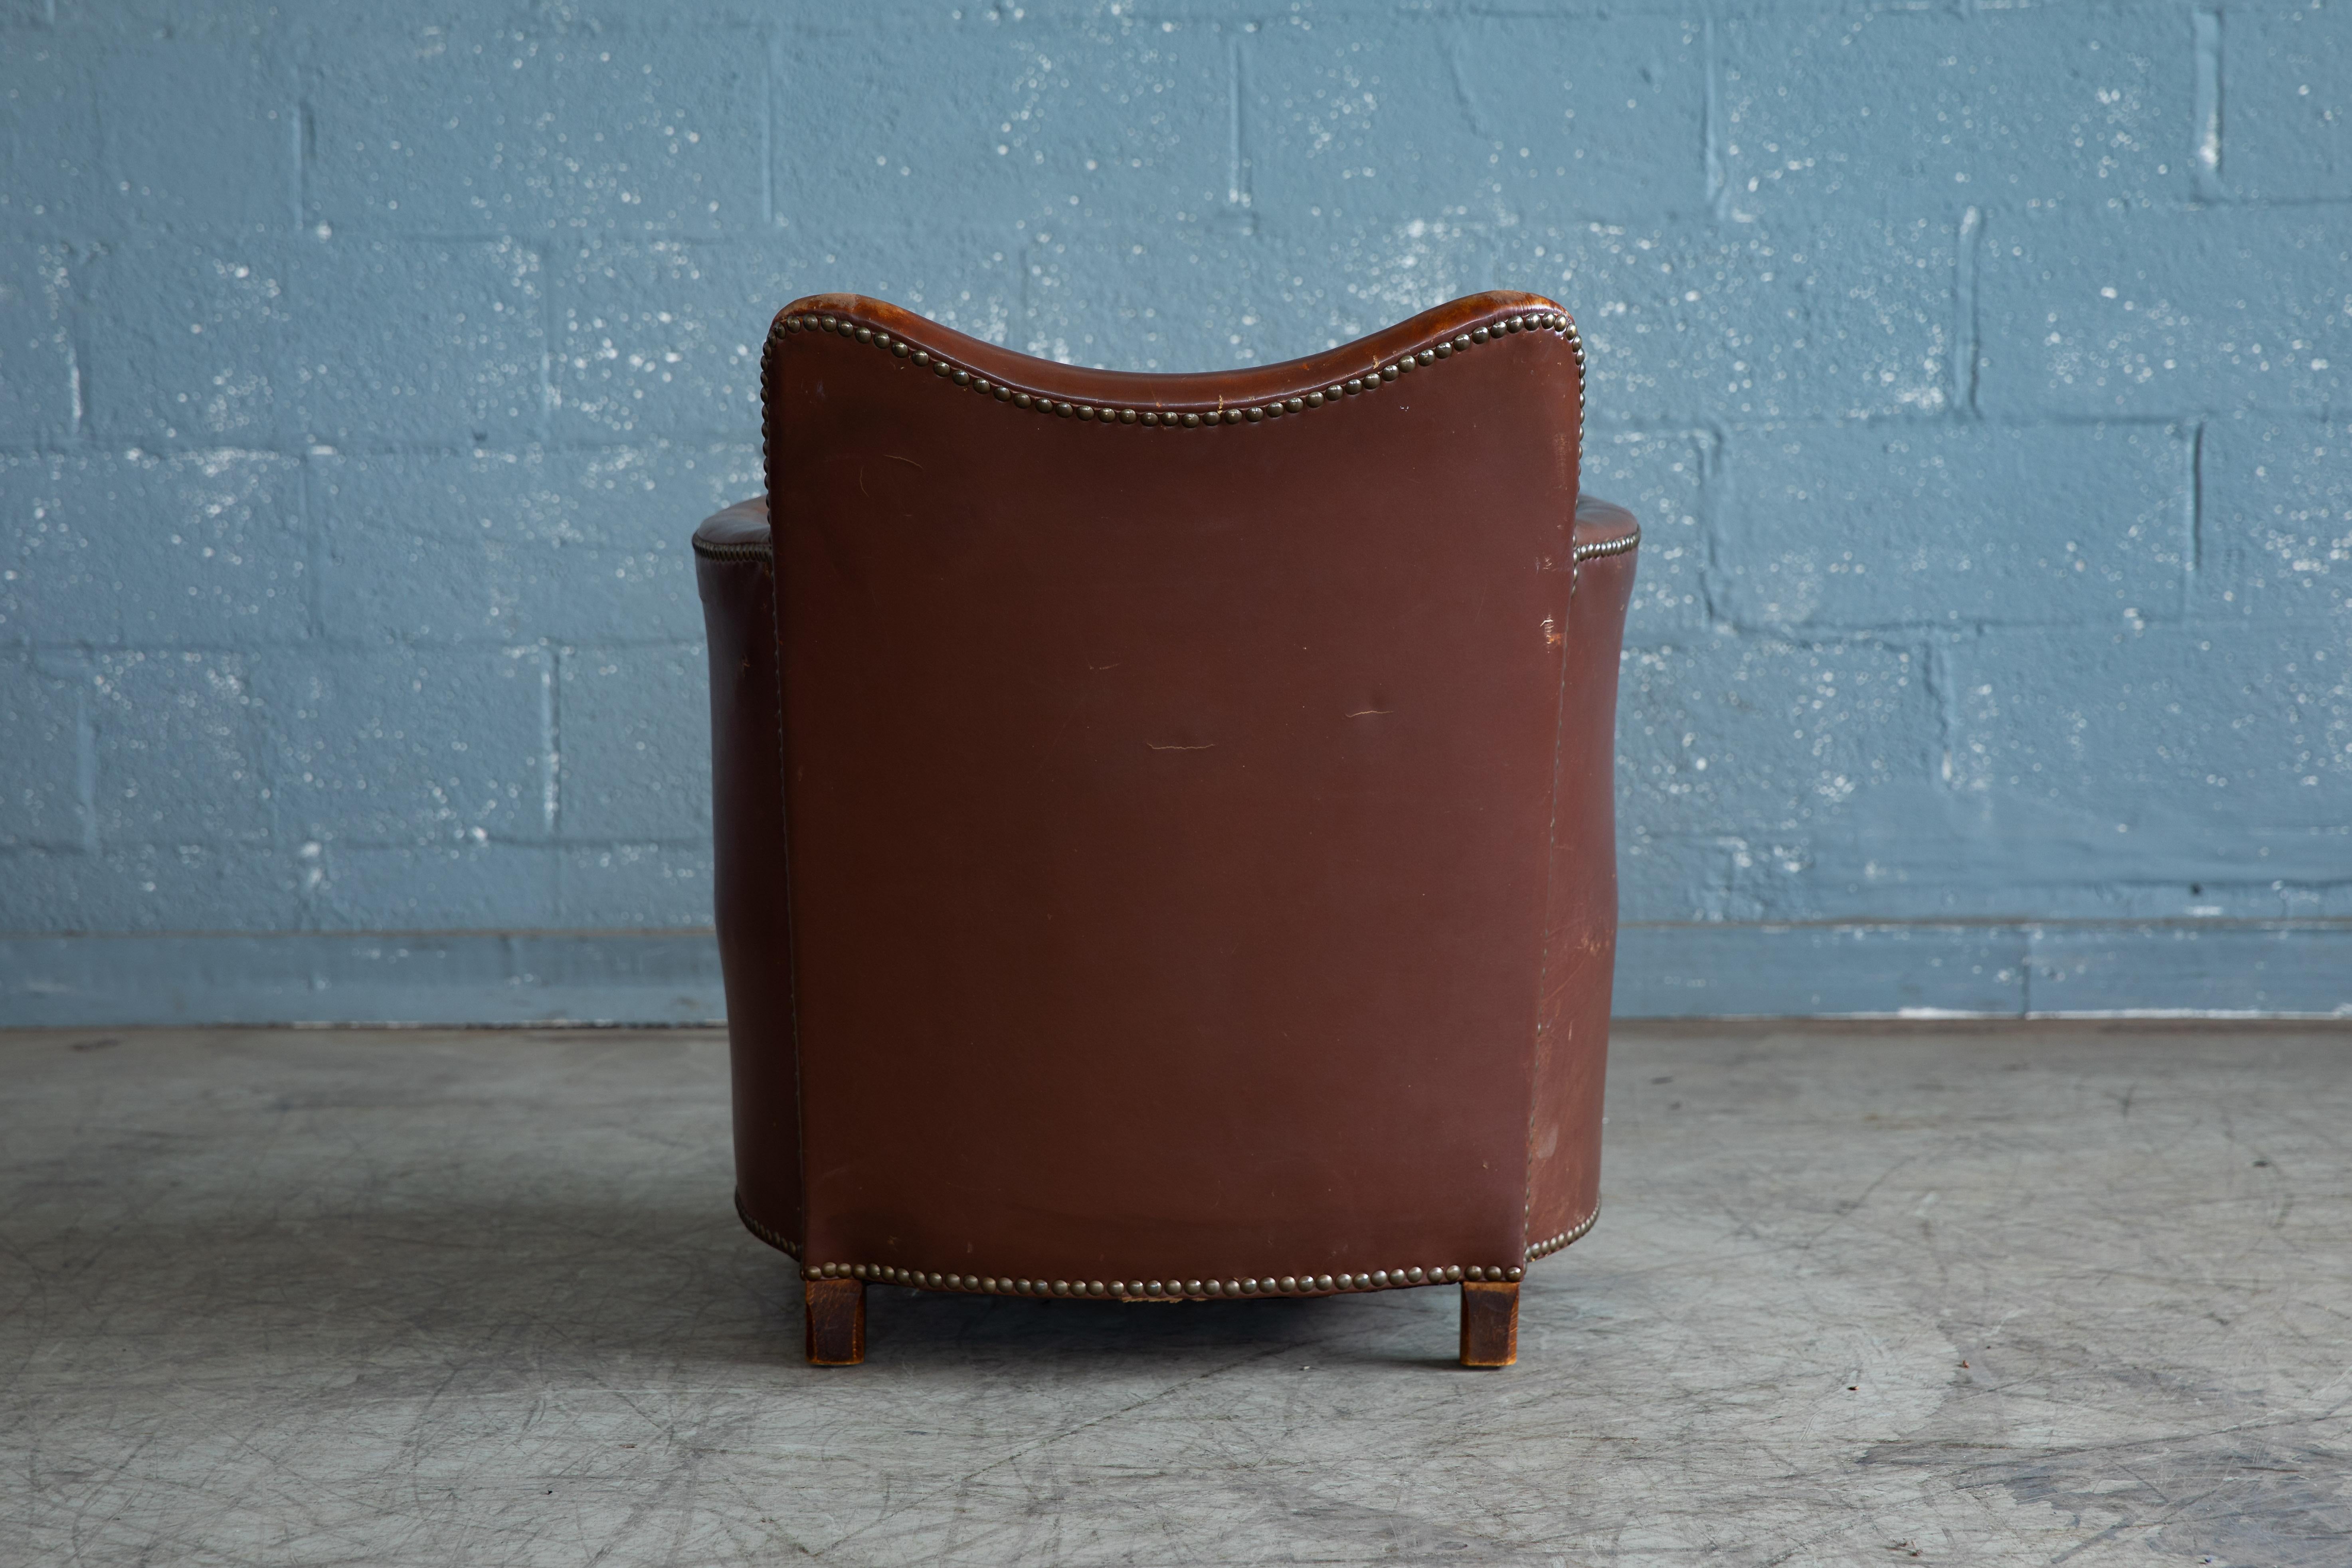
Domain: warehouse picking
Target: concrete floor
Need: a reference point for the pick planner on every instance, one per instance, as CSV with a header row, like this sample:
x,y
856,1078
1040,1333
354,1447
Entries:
x,y
1860,1294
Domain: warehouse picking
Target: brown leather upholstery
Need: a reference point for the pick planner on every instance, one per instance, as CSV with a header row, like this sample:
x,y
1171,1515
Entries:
x,y
1164,822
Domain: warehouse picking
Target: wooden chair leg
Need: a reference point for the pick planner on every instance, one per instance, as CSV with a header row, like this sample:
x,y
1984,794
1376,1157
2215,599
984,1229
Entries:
x,y
1490,1323
836,1321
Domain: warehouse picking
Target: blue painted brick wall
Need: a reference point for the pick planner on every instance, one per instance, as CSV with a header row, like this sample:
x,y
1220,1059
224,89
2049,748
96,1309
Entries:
x,y
1982,374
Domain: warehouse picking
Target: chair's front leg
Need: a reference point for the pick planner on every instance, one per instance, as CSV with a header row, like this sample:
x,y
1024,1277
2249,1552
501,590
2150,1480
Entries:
x,y
1490,1323
836,1322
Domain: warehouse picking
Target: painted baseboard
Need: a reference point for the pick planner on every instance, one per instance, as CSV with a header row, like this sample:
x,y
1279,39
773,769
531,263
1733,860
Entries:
x,y
2282,968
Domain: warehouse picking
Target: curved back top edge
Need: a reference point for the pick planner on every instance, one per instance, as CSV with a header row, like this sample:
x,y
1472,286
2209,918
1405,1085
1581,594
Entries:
x,y
1475,316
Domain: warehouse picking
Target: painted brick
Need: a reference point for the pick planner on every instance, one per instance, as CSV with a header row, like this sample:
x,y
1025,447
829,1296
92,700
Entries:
x,y
1912,107
1667,479
662,339
978,117
1917,524
1712,877
2173,755
198,132
1164,296
550,334
2275,509
636,886
397,341
48,140
477,129
635,727
1773,741
155,551
187,341
46,764
1845,318
511,547
2281,968
2287,122
174,887
411,747
38,395
1550,120
2165,313
429,887
1777,970
177,752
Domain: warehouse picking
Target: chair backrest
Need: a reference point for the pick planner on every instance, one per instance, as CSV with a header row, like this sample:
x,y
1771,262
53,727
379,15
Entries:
x,y
1170,769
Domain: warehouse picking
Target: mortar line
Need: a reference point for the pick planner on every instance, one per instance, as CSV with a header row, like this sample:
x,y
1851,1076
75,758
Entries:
x,y
2196,519
1967,330
1710,123
2206,31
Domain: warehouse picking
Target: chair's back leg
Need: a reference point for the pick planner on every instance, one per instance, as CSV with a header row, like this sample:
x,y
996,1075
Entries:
x,y
1490,1323
836,1322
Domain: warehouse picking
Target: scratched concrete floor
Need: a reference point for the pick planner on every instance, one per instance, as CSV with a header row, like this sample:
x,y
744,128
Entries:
x,y
1861,1294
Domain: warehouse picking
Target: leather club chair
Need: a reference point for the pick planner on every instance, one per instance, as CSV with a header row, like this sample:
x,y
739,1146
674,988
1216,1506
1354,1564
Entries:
x,y
1164,832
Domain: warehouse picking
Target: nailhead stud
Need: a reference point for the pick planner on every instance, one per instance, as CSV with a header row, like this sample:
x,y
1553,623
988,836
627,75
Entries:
x,y
1192,421
1388,373
1126,416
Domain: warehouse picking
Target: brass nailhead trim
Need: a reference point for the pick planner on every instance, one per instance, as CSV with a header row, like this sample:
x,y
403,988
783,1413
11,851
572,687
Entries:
x,y
711,550
1610,547
1558,322
1165,1290
783,1244
1161,1289
1546,1247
